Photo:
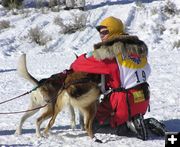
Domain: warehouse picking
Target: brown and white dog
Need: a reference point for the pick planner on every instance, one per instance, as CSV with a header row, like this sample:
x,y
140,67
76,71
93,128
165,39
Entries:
x,y
45,94
76,90
80,90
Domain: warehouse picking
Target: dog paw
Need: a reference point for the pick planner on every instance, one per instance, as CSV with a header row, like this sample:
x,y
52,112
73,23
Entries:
x,y
18,132
45,131
39,135
45,134
82,128
73,126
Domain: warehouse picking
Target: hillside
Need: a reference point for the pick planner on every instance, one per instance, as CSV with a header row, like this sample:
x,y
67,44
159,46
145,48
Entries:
x,y
155,22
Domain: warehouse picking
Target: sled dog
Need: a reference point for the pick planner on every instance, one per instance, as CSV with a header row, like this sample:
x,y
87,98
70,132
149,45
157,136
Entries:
x,y
45,94
78,89
81,90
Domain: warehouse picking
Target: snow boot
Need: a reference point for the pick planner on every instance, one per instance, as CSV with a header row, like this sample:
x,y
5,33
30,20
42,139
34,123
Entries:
x,y
137,125
155,126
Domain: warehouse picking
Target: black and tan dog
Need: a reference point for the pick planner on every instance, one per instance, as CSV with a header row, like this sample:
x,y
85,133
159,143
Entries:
x,y
80,90
77,89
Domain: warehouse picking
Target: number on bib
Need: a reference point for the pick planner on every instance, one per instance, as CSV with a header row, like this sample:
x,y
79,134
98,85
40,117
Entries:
x,y
140,76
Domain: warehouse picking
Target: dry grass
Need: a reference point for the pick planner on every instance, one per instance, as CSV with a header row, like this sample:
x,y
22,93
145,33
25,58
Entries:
x,y
78,23
4,24
176,44
38,36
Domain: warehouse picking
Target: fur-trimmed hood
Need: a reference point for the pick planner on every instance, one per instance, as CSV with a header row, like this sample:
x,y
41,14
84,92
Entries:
x,y
125,44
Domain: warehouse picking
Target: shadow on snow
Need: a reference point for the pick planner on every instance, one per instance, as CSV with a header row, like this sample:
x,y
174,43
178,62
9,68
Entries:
x,y
7,70
172,125
90,7
33,4
32,131
15,145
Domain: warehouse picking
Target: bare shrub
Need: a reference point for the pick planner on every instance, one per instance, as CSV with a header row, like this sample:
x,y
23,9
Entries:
x,y
78,23
176,31
65,29
53,3
58,21
170,8
38,36
12,3
25,13
139,3
161,28
55,9
4,24
154,10
176,44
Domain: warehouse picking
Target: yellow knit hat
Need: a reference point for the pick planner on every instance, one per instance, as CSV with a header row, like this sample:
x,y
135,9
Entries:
x,y
114,26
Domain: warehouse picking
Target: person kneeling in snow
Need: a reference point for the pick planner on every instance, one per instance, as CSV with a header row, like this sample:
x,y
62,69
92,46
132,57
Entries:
x,y
121,59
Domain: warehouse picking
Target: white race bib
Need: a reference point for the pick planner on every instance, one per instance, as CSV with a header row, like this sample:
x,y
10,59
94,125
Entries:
x,y
133,70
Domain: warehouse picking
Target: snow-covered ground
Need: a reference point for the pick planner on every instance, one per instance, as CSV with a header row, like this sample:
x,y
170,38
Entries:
x,y
149,20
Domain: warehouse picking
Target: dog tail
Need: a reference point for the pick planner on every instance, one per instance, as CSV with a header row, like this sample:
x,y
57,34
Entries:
x,y
22,70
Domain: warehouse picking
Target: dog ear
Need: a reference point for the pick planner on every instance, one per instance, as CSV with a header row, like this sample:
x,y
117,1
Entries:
x,y
72,90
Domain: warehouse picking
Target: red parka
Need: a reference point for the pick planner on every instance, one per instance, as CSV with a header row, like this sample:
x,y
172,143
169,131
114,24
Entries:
x,y
114,108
